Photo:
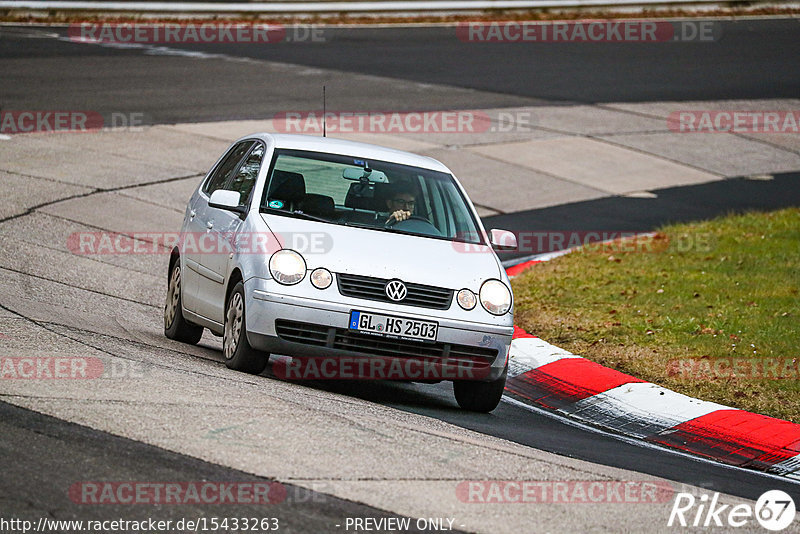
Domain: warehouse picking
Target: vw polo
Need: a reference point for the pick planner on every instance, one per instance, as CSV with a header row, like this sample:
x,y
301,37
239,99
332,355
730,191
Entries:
x,y
312,247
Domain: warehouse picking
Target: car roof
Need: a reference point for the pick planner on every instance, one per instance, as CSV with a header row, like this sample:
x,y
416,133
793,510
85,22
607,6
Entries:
x,y
348,148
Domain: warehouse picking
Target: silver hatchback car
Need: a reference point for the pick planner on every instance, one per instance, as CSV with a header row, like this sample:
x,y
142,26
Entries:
x,y
345,260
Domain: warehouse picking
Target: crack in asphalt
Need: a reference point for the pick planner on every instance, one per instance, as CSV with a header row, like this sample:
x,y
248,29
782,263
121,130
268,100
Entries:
x,y
142,344
242,380
150,202
45,178
85,256
45,326
94,191
33,209
96,291
84,400
140,238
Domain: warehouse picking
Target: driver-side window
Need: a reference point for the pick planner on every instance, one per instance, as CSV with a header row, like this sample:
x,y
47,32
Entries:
x,y
245,178
226,167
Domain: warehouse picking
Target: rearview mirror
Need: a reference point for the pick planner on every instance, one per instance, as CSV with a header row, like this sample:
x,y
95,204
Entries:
x,y
502,239
358,173
226,200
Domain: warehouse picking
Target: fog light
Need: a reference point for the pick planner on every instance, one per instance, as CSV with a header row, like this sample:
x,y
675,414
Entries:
x,y
321,278
466,299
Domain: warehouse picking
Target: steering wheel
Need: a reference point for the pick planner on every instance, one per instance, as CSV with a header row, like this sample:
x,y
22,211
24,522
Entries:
x,y
394,221
415,224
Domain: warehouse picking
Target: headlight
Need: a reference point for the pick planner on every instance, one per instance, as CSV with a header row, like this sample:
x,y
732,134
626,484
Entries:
x,y
495,297
321,278
466,299
287,267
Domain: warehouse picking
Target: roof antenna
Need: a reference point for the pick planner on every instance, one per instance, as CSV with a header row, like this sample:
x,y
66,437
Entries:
x,y
324,129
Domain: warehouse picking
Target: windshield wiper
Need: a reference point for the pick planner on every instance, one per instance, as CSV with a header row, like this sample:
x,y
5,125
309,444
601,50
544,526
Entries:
x,y
297,213
360,225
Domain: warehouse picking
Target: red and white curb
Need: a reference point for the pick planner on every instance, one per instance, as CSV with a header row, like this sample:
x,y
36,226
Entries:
x,y
548,377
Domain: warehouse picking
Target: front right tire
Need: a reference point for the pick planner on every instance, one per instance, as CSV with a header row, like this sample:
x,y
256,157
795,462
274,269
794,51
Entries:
x,y
239,355
480,396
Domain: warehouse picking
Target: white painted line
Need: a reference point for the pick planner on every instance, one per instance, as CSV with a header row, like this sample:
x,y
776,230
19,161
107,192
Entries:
x,y
790,467
4,137
640,194
153,50
640,409
531,352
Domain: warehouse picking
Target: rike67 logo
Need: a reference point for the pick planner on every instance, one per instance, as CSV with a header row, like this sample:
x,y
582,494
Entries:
x,y
774,510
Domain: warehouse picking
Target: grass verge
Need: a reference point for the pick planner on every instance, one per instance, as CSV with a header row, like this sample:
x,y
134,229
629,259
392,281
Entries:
x,y
709,309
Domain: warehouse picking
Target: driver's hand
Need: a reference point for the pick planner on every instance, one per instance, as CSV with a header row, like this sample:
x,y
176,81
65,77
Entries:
x,y
399,215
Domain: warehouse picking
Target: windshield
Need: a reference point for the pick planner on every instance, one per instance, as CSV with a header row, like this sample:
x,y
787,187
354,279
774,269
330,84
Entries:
x,y
358,192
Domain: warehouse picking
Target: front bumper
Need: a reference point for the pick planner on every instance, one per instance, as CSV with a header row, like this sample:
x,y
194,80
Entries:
x,y
323,324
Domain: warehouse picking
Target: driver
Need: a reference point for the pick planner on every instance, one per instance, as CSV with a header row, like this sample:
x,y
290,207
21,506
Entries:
x,y
400,203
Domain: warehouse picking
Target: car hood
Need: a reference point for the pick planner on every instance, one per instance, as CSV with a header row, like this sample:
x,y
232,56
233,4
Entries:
x,y
366,252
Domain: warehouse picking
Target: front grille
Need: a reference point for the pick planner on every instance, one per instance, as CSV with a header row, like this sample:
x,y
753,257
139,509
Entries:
x,y
366,287
345,339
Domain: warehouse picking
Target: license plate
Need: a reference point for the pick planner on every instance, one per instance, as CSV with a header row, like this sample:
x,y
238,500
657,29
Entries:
x,y
389,326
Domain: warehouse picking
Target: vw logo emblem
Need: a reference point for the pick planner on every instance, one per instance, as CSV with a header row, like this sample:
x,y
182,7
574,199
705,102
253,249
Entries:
x,y
396,290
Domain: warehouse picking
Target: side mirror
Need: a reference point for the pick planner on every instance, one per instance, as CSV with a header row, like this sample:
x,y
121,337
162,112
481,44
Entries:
x,y
502,240
225,200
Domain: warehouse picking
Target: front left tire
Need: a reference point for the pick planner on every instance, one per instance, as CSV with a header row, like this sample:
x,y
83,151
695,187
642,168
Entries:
x,y
175,325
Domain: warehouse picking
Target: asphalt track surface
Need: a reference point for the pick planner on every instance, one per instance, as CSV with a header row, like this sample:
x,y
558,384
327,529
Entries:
x,y
37,482
751,59
540,431
766,57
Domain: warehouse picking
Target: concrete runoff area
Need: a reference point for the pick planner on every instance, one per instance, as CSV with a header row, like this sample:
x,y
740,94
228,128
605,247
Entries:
x,y
183,400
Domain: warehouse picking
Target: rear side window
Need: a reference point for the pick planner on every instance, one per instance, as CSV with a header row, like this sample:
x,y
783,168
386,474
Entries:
x,y
226,166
